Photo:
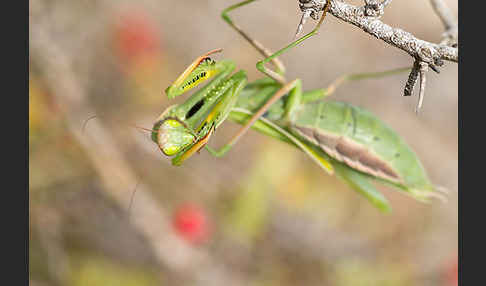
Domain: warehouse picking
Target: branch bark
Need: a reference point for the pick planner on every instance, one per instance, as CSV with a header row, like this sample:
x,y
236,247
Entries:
x,y
422,50
450,24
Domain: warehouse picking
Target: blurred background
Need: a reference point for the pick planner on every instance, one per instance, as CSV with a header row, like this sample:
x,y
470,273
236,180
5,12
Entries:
x,y
262,215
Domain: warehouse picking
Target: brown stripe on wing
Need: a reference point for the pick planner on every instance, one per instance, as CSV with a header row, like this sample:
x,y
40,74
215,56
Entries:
x,y
351,153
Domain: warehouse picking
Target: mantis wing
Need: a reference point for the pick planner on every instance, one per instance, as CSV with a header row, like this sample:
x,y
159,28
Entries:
x,y
362,185
354,179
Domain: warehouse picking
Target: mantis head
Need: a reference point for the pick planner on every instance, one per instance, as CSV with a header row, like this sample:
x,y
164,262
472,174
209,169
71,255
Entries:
x,y
197,72
172,135
175,138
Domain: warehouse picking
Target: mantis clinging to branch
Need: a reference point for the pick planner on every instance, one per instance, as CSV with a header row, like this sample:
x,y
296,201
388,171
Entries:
x,y
342,139
310,8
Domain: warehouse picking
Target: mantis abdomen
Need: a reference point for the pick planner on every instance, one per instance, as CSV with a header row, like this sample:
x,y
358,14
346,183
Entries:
x,y
357,138
348,134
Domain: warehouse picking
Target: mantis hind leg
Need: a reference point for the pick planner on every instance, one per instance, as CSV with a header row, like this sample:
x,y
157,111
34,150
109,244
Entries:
x,y
316,94
257,45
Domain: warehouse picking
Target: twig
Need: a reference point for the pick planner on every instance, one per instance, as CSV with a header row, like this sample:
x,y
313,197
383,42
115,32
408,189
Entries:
x,y
450,24
424,51
423,71
386,2
374,8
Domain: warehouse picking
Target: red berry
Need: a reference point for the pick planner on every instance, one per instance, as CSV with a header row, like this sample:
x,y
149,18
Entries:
x,y
136,36
190,223
452,272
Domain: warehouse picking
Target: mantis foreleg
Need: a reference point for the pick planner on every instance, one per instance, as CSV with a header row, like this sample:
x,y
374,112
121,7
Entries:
x,y
295,86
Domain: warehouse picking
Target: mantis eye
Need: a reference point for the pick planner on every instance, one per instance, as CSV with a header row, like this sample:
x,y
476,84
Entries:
x,y
173,136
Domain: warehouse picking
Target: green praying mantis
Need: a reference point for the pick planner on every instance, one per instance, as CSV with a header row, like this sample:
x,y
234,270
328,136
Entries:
x,y
342,139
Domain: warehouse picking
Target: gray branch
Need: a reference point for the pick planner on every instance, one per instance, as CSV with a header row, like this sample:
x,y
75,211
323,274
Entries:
x,y
424,51
450,24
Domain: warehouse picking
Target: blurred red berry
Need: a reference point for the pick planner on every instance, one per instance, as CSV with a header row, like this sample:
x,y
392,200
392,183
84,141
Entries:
x,y
452,272
136,37
190,223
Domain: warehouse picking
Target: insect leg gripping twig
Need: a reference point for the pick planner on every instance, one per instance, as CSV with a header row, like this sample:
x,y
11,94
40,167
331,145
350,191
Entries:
x,y
278,74
261,64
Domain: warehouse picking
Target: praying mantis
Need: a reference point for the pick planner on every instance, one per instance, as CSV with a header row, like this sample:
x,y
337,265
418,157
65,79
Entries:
x,y
342,139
